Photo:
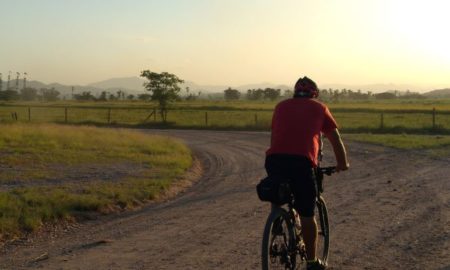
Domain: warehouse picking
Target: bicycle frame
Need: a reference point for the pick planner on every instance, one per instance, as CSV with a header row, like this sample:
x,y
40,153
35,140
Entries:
x,y
293,246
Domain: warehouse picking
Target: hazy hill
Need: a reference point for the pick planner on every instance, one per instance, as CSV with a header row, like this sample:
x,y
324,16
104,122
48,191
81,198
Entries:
x,y
439,93
136,84
131,83
374,88
263,86
66,90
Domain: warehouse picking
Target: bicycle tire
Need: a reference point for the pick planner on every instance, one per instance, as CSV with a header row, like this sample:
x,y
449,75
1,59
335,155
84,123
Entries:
x,y
274,256
323,239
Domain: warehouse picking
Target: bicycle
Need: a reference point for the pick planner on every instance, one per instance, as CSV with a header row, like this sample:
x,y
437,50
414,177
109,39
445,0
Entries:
x,y
283,246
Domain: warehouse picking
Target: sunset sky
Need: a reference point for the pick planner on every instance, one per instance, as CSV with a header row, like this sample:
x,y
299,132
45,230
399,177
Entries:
x,y
231,42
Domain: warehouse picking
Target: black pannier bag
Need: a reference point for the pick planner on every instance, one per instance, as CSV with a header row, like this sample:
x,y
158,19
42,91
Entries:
x,y
274,190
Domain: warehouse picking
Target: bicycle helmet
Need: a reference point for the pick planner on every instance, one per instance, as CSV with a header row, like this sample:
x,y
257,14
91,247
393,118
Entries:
x,y
305,87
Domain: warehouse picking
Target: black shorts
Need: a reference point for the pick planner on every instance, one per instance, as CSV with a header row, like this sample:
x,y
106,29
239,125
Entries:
x,y
300,170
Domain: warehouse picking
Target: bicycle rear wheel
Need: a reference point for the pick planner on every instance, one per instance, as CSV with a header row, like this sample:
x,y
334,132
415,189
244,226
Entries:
x,y
278,245
323,239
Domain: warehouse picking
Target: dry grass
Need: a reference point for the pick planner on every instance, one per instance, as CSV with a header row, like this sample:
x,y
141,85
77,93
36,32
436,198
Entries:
x,y
34,152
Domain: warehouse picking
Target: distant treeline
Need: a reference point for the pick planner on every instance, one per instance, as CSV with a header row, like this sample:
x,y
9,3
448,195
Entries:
x,y
325,94
45,94
329,95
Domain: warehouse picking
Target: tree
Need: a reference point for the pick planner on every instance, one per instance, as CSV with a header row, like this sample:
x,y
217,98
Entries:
x,y
28,94
163,88
50,94
385,95
231,94
255,94
288,93
103,96
84,96
9,95
271,94
144,97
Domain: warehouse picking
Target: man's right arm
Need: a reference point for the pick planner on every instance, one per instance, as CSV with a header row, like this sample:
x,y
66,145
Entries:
x,y
339,150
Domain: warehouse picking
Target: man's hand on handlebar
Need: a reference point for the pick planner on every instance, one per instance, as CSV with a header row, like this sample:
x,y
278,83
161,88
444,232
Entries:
x,y
342,167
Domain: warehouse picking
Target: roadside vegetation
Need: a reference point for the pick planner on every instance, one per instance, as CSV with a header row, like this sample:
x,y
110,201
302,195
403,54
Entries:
x,y
413,117
435,145
52,172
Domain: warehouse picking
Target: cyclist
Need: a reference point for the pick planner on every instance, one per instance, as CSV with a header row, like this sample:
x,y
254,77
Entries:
x,y
296,127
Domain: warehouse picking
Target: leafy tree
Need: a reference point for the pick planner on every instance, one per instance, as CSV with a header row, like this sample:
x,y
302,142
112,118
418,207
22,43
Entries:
x,y
271,94
49,94
145,97
288,93
255,94
231,94
9,95
84,96
28,94
163,88
120,95
385,95
112,97
103,96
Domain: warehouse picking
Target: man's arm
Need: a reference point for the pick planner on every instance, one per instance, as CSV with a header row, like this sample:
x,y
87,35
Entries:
x,y
339,150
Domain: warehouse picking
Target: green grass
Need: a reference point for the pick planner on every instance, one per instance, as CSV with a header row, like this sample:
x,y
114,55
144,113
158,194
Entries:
x,y
431,144
32,154
414,117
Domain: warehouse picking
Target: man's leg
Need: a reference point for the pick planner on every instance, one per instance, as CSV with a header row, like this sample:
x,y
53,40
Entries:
x,y
309,231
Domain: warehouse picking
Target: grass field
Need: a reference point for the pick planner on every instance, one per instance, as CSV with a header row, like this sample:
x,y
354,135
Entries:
x,y
51,172
353,117
431,144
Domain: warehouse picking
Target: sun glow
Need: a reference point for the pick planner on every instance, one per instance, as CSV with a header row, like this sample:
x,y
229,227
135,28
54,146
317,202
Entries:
x,y
423,26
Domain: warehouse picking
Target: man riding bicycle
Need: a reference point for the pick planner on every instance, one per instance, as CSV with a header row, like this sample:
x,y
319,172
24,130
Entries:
x,y
296,127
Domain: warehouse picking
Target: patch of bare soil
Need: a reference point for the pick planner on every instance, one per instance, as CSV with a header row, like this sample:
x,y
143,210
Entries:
x,y
26,175
389,211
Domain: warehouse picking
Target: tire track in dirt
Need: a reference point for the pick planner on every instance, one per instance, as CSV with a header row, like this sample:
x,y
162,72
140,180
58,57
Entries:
x,y
390,211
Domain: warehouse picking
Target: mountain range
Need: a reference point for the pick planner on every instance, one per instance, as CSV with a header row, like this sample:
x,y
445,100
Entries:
x,y
134,85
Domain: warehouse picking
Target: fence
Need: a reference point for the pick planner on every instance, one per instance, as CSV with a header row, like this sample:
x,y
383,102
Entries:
x,y
350,120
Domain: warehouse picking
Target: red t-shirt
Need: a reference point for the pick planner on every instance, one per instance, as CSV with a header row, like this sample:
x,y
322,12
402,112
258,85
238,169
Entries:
x,y
296,127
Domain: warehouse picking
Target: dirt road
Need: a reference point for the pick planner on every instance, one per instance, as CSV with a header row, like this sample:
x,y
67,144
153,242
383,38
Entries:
x,y
390,211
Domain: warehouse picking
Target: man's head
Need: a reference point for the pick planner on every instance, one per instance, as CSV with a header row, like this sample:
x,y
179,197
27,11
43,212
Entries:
x,y
305,87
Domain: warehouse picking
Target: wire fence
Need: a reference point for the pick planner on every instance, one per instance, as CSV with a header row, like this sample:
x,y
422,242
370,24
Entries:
x,y
350,120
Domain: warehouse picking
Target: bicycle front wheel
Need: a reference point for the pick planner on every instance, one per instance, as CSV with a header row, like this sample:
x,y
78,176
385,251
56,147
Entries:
x,y
278,245
323,239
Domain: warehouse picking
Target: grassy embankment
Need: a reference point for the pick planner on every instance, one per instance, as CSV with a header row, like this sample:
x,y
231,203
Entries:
x,y
50,172
400,116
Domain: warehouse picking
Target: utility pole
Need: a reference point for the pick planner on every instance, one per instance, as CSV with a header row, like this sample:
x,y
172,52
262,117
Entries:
x,y
1,82
72,91
25,80
17,81
9,79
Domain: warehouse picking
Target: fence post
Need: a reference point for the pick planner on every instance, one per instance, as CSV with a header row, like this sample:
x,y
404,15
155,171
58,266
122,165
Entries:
x,y
206,118
109,115
65,115
29,114
434,118
382,121
256,119
154,115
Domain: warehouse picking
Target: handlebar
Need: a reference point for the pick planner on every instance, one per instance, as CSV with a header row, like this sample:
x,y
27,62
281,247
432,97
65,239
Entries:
x,y
319,176
327,170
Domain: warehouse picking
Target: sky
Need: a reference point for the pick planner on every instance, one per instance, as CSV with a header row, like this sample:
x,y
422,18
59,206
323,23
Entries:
x,y
229,42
